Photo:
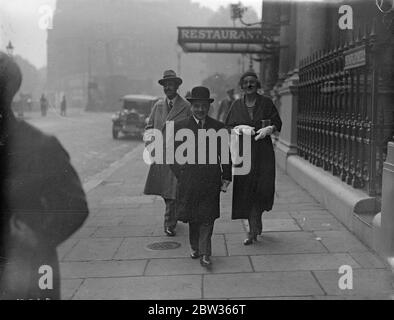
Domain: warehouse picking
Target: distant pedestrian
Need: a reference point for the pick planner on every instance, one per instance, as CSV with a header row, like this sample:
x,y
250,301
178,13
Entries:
x,y
254,193
161,181
42,202
43,105
63,106
199,185
225,105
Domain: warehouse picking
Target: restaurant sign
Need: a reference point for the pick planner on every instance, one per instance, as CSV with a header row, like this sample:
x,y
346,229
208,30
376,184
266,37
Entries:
x,y
221,35
227,39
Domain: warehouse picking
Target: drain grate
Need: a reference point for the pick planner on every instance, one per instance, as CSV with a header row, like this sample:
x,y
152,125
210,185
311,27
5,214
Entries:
x,y
168,245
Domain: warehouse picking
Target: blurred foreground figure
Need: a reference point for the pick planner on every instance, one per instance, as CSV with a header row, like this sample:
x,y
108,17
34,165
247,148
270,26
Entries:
x,y
41,200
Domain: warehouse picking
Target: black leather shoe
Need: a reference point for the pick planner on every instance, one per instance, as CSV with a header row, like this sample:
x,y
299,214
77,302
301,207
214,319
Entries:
x,y
205,261
194,254
249,240
170,232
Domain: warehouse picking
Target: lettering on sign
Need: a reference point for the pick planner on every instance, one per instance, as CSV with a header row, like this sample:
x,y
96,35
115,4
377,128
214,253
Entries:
x,y
221,35
355,58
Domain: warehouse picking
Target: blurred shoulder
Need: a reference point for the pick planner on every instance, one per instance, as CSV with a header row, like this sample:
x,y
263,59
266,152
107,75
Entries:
x,y
34,141
265,99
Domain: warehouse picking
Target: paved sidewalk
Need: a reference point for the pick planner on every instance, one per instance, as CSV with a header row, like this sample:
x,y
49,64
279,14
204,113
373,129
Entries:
x,y
298,256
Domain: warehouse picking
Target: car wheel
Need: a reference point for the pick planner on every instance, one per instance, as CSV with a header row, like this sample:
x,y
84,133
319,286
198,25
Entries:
x,y
115,133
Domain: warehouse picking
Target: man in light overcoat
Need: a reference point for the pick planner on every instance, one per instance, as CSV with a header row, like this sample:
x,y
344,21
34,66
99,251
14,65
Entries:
x,y
161,181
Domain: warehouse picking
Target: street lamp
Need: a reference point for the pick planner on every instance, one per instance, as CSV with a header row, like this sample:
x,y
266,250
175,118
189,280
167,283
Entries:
x,y
10,49
238,11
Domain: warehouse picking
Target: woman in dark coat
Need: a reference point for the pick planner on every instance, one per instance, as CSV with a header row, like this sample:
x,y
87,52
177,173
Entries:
x,y
254,193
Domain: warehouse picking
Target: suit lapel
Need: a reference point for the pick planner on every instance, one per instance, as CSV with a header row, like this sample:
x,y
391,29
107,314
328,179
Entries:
x,y
176,109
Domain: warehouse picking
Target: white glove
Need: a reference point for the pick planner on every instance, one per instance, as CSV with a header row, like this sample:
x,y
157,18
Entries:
x,y
225,184
264,132
244,129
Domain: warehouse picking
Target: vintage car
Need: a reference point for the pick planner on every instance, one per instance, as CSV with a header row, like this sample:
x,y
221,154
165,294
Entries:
x,y
131,119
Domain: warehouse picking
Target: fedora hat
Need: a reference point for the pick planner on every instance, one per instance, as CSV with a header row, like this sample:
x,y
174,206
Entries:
x,y
200,93
170,75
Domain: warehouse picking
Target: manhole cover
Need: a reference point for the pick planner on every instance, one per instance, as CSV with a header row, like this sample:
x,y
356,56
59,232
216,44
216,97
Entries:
x,y
169,245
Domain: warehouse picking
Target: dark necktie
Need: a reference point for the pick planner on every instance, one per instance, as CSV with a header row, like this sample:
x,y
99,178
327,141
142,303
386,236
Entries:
x,y
200,125
170,104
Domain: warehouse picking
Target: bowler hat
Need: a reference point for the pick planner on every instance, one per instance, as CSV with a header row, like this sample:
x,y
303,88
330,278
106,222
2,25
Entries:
x,y
200,93
170,75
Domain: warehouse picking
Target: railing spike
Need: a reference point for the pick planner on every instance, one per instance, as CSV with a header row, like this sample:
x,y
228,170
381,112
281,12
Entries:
x,y
365,33
373,29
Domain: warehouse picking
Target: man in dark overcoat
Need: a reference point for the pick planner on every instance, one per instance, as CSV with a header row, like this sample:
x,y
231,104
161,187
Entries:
x,y
161,181
42,200
200,184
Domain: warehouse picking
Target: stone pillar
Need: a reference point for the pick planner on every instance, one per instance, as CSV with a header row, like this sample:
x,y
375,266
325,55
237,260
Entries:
x,y
288,40
312,32
288,109
270,64
384,232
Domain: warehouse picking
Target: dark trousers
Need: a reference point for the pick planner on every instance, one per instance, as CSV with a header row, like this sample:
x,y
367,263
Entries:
x,y
170,219
200,235
255,222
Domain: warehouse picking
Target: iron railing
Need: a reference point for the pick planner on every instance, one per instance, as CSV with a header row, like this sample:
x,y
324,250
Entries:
x,y
341,126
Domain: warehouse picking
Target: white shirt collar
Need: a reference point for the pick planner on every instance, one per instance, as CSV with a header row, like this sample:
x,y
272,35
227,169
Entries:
x,y
197,121
173,100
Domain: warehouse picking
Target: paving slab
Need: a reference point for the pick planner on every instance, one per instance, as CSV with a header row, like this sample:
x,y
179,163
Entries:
x,y
278,225
93,249
369,260
136,248
319,223
69,287
228,227
190,266
125,200
354,297
277,215
275,243
341,241
141,288
145,230
366,283
102,221
66,247
267,284
84,232
299,262
102,269
142,219
311,214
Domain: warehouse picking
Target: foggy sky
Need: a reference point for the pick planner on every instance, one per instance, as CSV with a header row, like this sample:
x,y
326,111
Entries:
x,y
19,23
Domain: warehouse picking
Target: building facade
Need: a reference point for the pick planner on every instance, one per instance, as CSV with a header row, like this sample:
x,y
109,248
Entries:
x,y
105,49
333,81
